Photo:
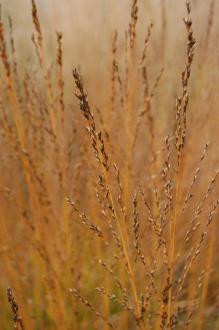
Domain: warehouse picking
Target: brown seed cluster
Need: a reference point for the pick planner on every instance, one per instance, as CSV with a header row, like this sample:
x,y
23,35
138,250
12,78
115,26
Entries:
x,y
18,323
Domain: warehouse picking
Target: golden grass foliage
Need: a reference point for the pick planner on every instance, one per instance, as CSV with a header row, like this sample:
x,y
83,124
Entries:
x,y
109,190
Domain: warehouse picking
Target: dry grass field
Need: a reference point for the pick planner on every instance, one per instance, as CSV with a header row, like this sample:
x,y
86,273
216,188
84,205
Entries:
x,y
109,165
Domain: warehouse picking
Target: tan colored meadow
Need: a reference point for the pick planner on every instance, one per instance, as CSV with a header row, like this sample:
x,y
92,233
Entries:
x,y
109,165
